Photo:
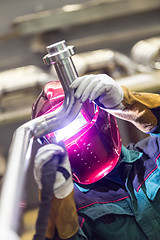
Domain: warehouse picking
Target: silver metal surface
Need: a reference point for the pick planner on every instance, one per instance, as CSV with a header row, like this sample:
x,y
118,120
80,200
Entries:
x,y
60,55
17,86
114,63
21,146
146,54
142,82
77,14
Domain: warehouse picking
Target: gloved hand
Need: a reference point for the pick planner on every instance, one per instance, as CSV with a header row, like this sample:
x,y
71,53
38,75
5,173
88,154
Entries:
x,y
57,213
63,183
99,88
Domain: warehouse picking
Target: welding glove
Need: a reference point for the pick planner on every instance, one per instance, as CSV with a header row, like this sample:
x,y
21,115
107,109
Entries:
x,y
99,88
137,108
63,218
63,184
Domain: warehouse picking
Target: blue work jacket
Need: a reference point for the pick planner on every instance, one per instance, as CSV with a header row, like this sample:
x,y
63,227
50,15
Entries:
x,y
126,203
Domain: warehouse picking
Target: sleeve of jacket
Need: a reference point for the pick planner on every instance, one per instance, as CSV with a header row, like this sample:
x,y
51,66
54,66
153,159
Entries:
x,y
141,109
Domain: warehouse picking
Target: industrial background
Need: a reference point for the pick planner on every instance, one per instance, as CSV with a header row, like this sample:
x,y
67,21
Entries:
x,y
117,37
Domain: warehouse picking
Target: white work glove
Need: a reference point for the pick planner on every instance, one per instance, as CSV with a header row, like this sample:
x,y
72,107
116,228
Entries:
x,y
99,88
63,184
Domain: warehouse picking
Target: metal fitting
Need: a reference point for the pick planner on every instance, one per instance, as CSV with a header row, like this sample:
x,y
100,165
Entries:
x,y
58,52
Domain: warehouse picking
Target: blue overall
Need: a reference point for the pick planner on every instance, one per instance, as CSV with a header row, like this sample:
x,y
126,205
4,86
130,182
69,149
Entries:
x,y
126,203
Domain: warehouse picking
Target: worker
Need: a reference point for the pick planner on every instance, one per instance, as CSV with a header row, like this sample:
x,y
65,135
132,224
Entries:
x,y
122,201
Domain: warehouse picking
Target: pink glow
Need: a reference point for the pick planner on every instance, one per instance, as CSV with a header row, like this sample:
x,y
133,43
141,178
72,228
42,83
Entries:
x,y
90,158
95,145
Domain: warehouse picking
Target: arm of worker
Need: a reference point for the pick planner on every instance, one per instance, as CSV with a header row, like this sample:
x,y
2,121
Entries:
x,y
141,109
63,219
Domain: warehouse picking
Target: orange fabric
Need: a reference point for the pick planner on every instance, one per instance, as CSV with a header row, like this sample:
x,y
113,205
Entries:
x,y
138,109
63,218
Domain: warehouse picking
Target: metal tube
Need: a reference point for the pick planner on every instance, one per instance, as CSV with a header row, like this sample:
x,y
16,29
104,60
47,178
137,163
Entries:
x,y
13,185
60,55
21,146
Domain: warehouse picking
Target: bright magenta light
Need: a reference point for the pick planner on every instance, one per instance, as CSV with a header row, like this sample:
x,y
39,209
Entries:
x,y
92,140
93,145
71,129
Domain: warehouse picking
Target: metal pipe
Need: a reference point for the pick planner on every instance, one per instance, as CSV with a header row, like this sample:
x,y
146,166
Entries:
x,y
20,151
60,55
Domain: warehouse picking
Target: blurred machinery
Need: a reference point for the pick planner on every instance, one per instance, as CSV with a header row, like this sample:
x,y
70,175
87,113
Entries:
x,y
146,54
87,24
19,88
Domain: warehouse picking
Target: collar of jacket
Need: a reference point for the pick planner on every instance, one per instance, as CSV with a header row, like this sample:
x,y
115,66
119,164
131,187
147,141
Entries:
x,y
130,156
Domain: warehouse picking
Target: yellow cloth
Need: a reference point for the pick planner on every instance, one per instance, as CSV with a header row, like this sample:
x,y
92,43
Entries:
x,y
138,109
63,218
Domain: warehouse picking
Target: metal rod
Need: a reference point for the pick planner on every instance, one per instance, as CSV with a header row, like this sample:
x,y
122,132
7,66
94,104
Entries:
x,y
21,146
